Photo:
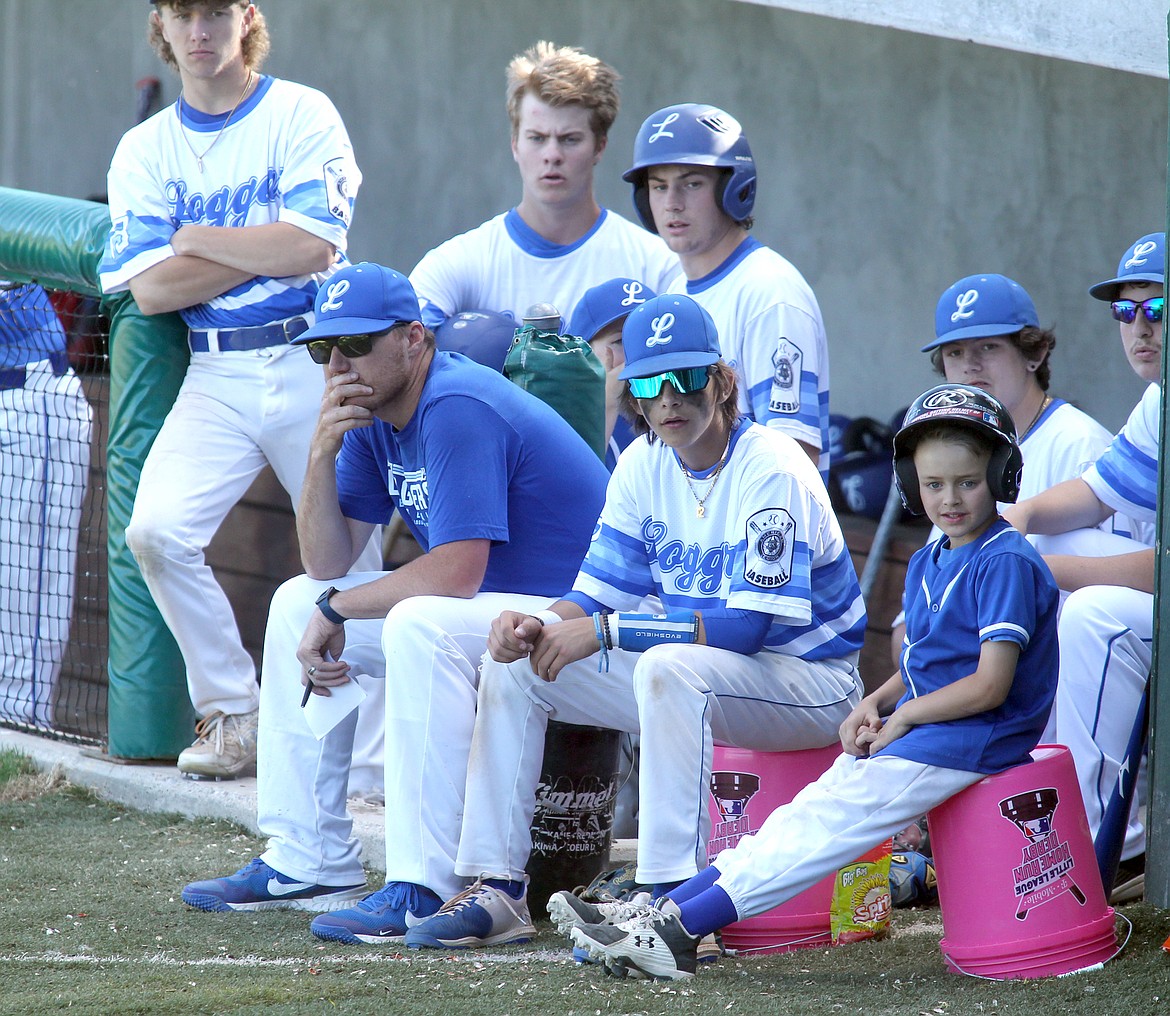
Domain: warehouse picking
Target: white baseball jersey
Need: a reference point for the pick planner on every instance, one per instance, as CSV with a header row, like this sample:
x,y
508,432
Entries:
x,y
1125,477
505,266
768,542
285,156
771,332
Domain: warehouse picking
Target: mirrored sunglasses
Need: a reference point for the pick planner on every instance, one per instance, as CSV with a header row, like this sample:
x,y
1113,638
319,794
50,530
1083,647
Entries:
x,y
352,346
685,382
1127,310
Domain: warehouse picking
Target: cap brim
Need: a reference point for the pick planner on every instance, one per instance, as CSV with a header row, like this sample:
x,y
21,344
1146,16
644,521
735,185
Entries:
x,y
1107,290
649,366
341,326
982,331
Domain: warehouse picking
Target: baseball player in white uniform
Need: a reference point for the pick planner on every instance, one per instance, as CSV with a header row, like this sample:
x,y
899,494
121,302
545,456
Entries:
x,y
45,427
1106,624
228,206
970,698
558,241
694,184
729,524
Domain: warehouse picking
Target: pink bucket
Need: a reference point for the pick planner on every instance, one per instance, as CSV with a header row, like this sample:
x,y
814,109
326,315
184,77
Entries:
x,y
1018,882
746,787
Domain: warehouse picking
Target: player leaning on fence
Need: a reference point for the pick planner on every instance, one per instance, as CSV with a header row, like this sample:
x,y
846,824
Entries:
x,y
229,207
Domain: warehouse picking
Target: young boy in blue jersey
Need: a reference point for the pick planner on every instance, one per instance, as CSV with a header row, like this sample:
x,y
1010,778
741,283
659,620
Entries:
x,y
976,682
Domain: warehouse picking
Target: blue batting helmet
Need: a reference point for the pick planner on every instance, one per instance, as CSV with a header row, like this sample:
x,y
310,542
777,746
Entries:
x,y
695,134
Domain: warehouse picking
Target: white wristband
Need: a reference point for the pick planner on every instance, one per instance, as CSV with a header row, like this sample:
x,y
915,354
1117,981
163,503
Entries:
x,y
547,617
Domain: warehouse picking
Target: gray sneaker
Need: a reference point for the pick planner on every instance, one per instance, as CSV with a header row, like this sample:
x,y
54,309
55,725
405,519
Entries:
x,y
480,915
654,943
569,911
224,748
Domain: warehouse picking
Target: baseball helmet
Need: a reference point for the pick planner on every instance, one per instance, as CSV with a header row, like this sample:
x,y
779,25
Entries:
x,y
967,407
482,335
695,134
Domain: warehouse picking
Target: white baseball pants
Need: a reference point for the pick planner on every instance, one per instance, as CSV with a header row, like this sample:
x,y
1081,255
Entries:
x,y
235,413
428,649
682,700
853,807
45,429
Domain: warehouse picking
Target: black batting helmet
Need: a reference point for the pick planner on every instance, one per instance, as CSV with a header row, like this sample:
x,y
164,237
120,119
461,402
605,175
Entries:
x,y
966,407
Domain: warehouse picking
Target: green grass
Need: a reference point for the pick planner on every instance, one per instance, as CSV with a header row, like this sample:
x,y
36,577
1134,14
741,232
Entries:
x,y
91,922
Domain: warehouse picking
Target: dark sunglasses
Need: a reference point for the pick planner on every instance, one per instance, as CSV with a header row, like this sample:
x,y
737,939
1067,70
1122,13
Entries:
x,y
1126,310
352,346
685,382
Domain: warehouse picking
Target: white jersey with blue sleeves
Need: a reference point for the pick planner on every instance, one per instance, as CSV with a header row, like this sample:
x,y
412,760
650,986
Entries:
x,y
771,332
1125,477
768,542
505,266
284,157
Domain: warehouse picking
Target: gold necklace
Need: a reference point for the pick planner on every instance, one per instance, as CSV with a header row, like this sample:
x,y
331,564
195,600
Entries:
x,y
1036,419
700,511
183,130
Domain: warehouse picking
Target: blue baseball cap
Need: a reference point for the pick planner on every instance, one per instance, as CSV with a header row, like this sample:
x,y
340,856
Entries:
x,y
668,333
981,305
361,298
1143,261
602,305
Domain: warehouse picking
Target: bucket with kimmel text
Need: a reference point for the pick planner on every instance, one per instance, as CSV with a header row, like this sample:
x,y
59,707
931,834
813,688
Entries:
x,y
573,823
1018,882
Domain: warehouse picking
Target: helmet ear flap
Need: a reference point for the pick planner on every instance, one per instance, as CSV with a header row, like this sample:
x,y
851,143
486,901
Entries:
x,y
1003,472
906,480
642,203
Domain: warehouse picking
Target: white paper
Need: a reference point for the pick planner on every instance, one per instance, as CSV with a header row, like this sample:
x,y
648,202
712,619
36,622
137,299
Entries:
x,y
324,712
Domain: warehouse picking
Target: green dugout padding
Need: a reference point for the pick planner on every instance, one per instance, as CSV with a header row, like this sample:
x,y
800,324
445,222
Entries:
x,y
150,714
58,242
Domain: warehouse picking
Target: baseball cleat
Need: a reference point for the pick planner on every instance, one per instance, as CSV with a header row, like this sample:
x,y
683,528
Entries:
x,y
383,917
569,911
654,943
480,915
256,886
224,748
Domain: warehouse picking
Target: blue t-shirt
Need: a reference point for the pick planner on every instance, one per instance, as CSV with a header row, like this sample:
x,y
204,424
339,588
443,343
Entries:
x,y
996,587
29,327
481,459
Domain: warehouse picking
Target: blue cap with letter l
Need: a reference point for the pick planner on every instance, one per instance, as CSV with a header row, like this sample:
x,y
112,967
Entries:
x,y
361,298
979,306
1143,261
668,333
602,305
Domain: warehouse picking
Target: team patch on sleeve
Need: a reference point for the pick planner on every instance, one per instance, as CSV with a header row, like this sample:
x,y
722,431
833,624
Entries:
x,y
786,364
771,535
337,190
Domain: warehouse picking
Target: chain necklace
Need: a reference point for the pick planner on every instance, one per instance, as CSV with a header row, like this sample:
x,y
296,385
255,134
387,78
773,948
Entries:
x,y
1036,419
700,511
218,134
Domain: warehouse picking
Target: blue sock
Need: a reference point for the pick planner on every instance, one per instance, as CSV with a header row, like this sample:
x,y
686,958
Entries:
x,y
660,889
512,887
711,910
694,885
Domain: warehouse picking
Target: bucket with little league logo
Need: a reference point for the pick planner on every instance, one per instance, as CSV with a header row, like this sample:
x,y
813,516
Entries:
x,y
746,787
1018,882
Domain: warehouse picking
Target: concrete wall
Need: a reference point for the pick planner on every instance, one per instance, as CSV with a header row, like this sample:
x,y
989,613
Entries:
x,y
891,163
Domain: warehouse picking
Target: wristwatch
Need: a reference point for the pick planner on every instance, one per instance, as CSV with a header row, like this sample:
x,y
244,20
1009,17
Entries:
x,y
328,611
